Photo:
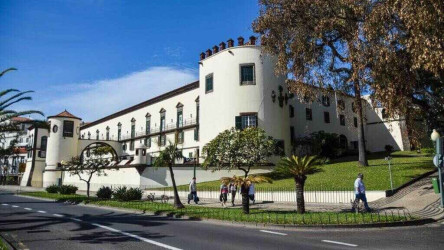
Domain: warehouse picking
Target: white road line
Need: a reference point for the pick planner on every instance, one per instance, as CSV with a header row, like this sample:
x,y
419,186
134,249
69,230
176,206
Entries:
x,y
75,219
58,215
14,206
271,232
27,208
340,243
4,204
42,212
137,237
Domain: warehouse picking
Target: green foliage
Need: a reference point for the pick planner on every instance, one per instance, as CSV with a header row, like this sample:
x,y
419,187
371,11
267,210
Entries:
x,y
125,194
239,149
296,166
323,144
68,189
168,156
53,189
104,193
428,151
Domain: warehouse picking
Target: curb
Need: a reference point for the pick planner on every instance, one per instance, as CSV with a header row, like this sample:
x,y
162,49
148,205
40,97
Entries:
x,y
418,222
6,242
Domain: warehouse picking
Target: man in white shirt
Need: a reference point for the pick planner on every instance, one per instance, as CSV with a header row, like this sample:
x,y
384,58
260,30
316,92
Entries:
x,y
193,191
360,192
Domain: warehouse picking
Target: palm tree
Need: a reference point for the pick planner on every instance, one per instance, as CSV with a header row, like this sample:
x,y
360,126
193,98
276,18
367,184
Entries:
x,y
167,158
245,183
6,114
299,168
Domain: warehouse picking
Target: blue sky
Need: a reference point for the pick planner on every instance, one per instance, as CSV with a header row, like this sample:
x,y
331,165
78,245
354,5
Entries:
x,y
94,57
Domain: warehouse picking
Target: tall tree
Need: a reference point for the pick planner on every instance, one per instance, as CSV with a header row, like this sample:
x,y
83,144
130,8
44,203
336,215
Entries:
x,y
8,98
317,43
167,158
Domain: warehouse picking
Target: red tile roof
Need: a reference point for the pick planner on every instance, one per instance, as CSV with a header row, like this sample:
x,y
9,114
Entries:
x,y
20,150
20,119
65,114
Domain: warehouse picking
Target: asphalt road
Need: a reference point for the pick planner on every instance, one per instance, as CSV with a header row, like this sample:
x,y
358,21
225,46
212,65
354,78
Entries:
x,y
39,224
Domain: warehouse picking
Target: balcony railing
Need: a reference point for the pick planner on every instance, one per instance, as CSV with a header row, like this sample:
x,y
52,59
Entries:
x,y
168,127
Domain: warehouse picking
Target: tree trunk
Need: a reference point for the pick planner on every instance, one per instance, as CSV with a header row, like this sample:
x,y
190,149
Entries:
x,y
177,202
361,137
88,184
300,201
245,199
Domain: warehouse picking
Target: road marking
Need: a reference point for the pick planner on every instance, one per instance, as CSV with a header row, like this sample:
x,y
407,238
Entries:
x,y
4,204
14,206
27,208
271,232
58,215
136,237
340,243
42,212
75,219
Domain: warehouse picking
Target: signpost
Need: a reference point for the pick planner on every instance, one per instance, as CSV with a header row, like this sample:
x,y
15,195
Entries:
x,y
389,158
439,161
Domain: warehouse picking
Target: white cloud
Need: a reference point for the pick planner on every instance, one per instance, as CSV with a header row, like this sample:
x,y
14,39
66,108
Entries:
x,y
96,99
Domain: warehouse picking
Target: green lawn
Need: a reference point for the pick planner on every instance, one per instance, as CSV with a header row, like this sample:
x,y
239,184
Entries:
x,y
2,245
341,173
255,216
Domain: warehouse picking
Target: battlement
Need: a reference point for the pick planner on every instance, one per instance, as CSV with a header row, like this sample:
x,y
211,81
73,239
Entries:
x,y
230,43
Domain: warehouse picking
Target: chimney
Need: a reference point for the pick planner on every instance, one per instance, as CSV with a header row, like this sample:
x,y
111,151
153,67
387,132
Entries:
x,y
208,52
202,56
252,40
215,49
221,46
230,43
240,41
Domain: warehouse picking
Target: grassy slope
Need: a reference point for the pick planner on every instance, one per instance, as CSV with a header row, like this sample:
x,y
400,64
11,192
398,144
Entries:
x,y
341,173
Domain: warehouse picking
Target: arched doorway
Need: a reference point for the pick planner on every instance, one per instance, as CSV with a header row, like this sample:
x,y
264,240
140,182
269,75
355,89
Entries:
x,y
343,142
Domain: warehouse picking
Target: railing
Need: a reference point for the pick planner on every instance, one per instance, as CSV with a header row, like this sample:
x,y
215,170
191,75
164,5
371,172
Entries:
x,y
168,127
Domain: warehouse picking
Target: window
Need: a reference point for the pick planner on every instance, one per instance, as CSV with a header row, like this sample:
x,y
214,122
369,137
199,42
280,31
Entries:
x,y
97,134
326,117
55,128
196,134
179,118
341,104
107,133
292,135
308,114
384,114
355,122
148,125
353,107
132,145
342,120
162,140
209,83
148,142
247,76
89,135
162,121
343,142
291,110
325,100
119,131
133,128
245,121
124,146
68,128
180,137
43,143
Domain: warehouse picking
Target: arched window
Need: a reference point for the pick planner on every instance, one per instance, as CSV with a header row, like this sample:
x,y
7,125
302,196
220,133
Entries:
x,y
89,135
162,119
107,133
97,134
119,131
179,120
148,124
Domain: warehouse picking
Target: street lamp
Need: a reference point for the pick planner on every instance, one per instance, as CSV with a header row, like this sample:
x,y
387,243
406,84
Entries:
x,y
438,161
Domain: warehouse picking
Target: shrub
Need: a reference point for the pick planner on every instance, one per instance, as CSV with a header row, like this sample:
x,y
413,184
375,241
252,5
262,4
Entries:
x,y
133,194
389,149
119,193
428,151
53,189
68,189
104,193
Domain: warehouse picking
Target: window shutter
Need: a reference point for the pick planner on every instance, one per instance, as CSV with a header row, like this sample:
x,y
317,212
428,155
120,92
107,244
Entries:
x,y
239,122
256,125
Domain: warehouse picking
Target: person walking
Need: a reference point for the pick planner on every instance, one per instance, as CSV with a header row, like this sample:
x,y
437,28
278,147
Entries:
x,y
223,194
233,189
193,191
251,192
360,193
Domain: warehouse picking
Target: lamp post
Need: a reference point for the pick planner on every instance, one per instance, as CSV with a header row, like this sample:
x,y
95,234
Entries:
x,y
438,160
389,158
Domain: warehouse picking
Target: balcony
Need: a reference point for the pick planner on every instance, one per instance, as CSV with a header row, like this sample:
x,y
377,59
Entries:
x,y
155,131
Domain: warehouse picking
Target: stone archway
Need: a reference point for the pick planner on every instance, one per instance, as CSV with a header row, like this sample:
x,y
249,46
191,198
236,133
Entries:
x,y
96,144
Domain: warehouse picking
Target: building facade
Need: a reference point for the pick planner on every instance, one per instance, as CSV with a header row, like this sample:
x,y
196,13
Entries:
x,y
237,87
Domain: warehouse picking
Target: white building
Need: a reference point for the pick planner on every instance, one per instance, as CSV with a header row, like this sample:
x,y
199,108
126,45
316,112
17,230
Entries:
x,y
237,87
